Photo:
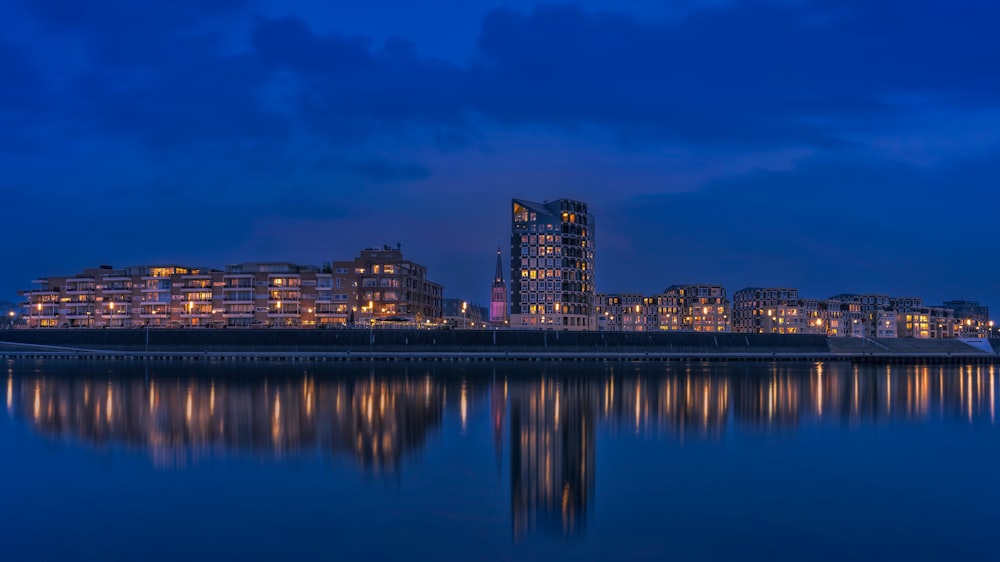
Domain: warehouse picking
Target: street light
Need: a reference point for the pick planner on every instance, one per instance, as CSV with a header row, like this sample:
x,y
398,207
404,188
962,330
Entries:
x,y
371,328
111,314
465,318
39,315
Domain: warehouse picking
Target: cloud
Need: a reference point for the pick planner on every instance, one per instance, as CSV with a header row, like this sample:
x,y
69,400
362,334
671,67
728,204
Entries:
x,y
750,73
212,111
738,75
351,90
832,224
21,84
385,171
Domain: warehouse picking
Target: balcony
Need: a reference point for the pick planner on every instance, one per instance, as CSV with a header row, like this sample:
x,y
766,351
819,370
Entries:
x,y
80,290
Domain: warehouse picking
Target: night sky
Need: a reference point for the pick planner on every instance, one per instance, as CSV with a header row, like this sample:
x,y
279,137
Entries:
x,y
831,145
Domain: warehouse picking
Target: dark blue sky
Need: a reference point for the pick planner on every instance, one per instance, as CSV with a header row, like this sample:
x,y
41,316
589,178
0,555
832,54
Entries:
x,y
833,145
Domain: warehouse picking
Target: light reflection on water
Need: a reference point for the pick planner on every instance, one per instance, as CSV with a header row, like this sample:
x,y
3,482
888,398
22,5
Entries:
x,y
543,420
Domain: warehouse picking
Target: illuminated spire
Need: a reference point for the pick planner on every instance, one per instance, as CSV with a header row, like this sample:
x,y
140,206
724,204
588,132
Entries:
x,y
498,278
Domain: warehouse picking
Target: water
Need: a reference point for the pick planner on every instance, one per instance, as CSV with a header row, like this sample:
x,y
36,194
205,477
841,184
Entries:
x,y
116,461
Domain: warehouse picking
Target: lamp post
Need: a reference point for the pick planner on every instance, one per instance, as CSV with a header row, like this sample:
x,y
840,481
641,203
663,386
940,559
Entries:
x,y
39,315
371,328
465,317
111,314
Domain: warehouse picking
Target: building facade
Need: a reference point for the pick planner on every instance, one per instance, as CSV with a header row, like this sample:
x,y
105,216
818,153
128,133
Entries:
x,y
380,284
694,308
464,315
973,316
552,265
626,312
377,286
172,296
754,307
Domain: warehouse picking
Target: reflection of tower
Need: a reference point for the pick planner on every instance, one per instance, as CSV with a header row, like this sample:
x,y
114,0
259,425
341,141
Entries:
x,y
551,455
498,296
498,408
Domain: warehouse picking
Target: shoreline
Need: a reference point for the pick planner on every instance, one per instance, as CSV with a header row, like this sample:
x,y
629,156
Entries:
x,y
490,357
478,346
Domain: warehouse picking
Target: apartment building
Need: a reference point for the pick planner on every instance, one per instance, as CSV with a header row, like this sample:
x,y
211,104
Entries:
x,y
106,297
243,295
841,319
697,308
265,294
973,316
626,312
754,308
380,284
552,265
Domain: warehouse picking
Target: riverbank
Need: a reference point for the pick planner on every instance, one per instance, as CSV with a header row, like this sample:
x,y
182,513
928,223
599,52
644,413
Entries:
x,y
474,346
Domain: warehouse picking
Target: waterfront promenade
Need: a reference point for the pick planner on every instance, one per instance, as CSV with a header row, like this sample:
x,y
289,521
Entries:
x,y
474,346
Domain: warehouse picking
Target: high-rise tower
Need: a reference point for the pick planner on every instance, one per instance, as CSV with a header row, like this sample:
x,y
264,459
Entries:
x,y
552,265
498,296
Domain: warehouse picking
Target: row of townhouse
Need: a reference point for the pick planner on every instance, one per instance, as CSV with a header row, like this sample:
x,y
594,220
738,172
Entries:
x,y
692,308
781,310
379,285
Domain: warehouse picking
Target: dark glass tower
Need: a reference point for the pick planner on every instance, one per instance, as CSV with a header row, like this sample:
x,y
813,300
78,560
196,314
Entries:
x,y
552,265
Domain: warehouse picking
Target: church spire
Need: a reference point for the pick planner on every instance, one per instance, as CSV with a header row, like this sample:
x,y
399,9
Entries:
x,y
498,296
498,278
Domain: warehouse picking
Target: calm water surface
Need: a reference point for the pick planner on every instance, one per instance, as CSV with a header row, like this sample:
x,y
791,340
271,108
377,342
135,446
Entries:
x,y
118,461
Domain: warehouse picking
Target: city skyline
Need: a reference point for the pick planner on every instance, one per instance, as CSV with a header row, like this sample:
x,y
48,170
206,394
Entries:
x,y
832,147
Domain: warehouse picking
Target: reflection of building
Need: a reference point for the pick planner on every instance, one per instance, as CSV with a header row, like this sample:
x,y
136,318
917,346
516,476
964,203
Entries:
x,y
377,420
552,265
763,399
552,456
691,405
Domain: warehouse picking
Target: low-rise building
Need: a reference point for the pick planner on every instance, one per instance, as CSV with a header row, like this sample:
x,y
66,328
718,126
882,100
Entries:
x,y
696,308
380,283
751,306
626,312
973,317
878,313
461,314
377,285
